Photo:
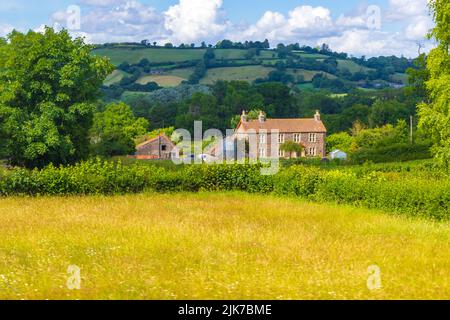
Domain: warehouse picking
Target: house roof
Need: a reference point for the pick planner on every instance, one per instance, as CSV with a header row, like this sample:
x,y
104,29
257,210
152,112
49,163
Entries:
x,y
162,136
284,125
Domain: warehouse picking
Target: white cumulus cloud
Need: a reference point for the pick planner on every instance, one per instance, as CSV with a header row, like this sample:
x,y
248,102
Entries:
x,y
193,20
5,29
301,23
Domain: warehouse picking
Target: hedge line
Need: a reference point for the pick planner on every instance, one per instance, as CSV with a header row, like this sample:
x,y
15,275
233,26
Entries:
x,y
399,152
414,197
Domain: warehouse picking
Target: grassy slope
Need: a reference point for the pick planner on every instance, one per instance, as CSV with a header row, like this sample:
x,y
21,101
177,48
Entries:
x,y
171,78
161,80
309,74
162,55
229,246
115,77
245,73
118,56
351,66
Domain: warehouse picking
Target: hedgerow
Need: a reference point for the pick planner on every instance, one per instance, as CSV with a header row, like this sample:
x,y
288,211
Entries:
x,y
367,186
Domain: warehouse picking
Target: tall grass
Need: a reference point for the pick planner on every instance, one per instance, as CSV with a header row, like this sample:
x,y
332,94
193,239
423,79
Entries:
x,y
392,190
215,246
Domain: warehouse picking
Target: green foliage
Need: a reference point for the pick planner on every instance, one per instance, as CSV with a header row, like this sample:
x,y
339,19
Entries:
x,y
384,144
153,134
48,84
342,141
291,147
387,112
115,129
392,152
435,115
390,188
417,78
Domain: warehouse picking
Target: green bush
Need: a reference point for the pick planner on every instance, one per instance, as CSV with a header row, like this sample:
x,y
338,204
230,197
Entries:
x,y
394,152
392,187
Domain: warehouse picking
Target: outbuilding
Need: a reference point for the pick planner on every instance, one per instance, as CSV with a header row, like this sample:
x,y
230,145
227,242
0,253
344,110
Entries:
x,y
338,154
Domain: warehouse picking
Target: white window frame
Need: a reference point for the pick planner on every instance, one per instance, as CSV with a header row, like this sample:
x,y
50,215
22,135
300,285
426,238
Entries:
x,y
281,153
281,138
297,137
262,138
262,152
312,137
312,151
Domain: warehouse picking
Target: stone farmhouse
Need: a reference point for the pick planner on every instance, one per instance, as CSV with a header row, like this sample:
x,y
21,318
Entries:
x,y
309,133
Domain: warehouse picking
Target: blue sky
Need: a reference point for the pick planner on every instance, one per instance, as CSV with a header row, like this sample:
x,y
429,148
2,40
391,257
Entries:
x,y
345,25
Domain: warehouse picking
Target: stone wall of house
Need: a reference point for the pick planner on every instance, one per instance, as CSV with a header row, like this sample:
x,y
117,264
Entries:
x,y
319,144
157,149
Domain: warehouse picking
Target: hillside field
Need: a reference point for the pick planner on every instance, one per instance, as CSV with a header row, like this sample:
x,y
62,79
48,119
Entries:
x,y
177,65
119,55
115,77
216,246
244,73
161,80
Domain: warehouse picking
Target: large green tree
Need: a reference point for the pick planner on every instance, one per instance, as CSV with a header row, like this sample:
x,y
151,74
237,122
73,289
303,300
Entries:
x,y
115,129
435,115
49,83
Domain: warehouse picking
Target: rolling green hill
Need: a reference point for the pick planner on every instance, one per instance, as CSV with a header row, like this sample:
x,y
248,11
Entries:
x,y
131,55
170,67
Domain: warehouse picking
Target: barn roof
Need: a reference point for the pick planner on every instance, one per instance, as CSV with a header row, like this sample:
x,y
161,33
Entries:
x,y
162,136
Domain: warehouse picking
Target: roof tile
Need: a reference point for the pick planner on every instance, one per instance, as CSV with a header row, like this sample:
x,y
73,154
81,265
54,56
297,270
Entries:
x,y
285,125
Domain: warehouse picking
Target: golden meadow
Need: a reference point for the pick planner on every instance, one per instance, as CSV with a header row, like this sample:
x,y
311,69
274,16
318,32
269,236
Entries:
x,y
224,232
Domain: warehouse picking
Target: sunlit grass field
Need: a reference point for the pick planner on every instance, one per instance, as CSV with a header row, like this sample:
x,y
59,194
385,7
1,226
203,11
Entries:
x,y
215,246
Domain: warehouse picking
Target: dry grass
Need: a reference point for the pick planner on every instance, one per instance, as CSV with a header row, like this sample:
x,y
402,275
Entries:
x,y
244,73
162,80
222,245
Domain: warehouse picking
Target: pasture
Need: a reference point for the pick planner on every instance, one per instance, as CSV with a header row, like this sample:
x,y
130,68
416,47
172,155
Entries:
x,y
154,55
115,77
308,75
161,80
351,66
216,246
244,73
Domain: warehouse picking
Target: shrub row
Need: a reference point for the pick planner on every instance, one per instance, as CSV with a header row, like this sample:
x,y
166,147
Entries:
x,y
412,196
399,152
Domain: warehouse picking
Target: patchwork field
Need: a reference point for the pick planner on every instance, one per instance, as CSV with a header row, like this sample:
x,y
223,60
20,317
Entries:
x,y
161,80
158,55
221,245
244,73
308,75
351,66
115,77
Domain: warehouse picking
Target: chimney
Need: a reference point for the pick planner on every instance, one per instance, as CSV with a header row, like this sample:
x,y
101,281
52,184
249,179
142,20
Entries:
x,y
262,117
244,116
317,115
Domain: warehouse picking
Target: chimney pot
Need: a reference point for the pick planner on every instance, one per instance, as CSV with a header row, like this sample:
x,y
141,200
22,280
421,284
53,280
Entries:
x,y
244,116
262,117
317,115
